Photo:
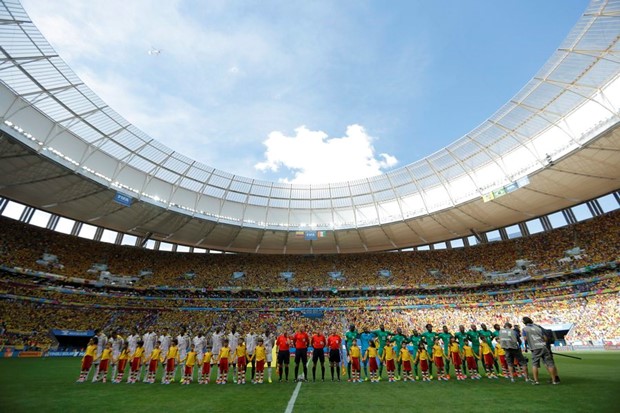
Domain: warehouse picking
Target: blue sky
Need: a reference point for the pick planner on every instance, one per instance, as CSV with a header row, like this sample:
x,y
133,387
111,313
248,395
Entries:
x,y
306,91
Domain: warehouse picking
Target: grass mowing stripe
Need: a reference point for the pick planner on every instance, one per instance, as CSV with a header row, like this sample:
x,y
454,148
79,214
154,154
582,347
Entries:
x,y
48,385
291,402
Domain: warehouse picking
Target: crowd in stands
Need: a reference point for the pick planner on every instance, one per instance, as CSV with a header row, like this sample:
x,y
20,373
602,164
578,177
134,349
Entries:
x,y
22,245
595,317
67,294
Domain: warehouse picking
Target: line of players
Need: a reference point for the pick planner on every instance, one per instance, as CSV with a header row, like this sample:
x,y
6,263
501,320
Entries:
x,y
400,354
143,354
372,350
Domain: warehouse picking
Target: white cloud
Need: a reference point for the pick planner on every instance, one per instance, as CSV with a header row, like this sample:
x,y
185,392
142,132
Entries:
x,y
313,157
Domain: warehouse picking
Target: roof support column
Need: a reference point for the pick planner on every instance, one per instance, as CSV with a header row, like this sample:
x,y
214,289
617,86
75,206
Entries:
x,y
27,214
524,229
52,222
98,234
3,203
569,216
595,208
544,220
77,227
503,233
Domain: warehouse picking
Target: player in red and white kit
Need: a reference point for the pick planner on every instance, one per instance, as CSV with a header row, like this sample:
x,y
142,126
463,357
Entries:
x,y
318,342
87,360
106,357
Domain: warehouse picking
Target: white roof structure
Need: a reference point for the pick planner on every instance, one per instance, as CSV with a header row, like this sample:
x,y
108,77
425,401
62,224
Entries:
x,y
554,144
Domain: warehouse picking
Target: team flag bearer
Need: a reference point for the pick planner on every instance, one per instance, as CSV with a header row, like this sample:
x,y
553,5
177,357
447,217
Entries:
x,y
222,378
242,362
206,367
470,357
388,359
371,356
354,354
121,362
172,358
405,358
87,360
105,357
190,361
154,360
457,358
486,355
438,359
424,361
260,355
137,358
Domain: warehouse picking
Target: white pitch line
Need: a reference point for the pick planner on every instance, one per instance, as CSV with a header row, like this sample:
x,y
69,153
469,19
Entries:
x,y
291,402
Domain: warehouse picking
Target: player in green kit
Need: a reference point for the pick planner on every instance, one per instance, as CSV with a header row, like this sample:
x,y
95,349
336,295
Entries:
x,y
496,330
414,340
349,337
486,334
488,337
382,334
460,336
474,336
398,339
445,337
429,338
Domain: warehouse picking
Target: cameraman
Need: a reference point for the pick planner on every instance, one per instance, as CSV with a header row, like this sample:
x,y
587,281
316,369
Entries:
x,y
509,341
535,339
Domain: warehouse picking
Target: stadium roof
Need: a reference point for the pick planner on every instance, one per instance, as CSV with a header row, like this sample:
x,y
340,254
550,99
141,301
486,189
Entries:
x,y
551,146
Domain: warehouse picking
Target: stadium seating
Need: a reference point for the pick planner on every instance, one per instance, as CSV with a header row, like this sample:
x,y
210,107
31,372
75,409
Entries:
x,y
23,245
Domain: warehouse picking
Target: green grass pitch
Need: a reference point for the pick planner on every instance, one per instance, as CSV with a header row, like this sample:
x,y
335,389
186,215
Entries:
x,y
48,385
